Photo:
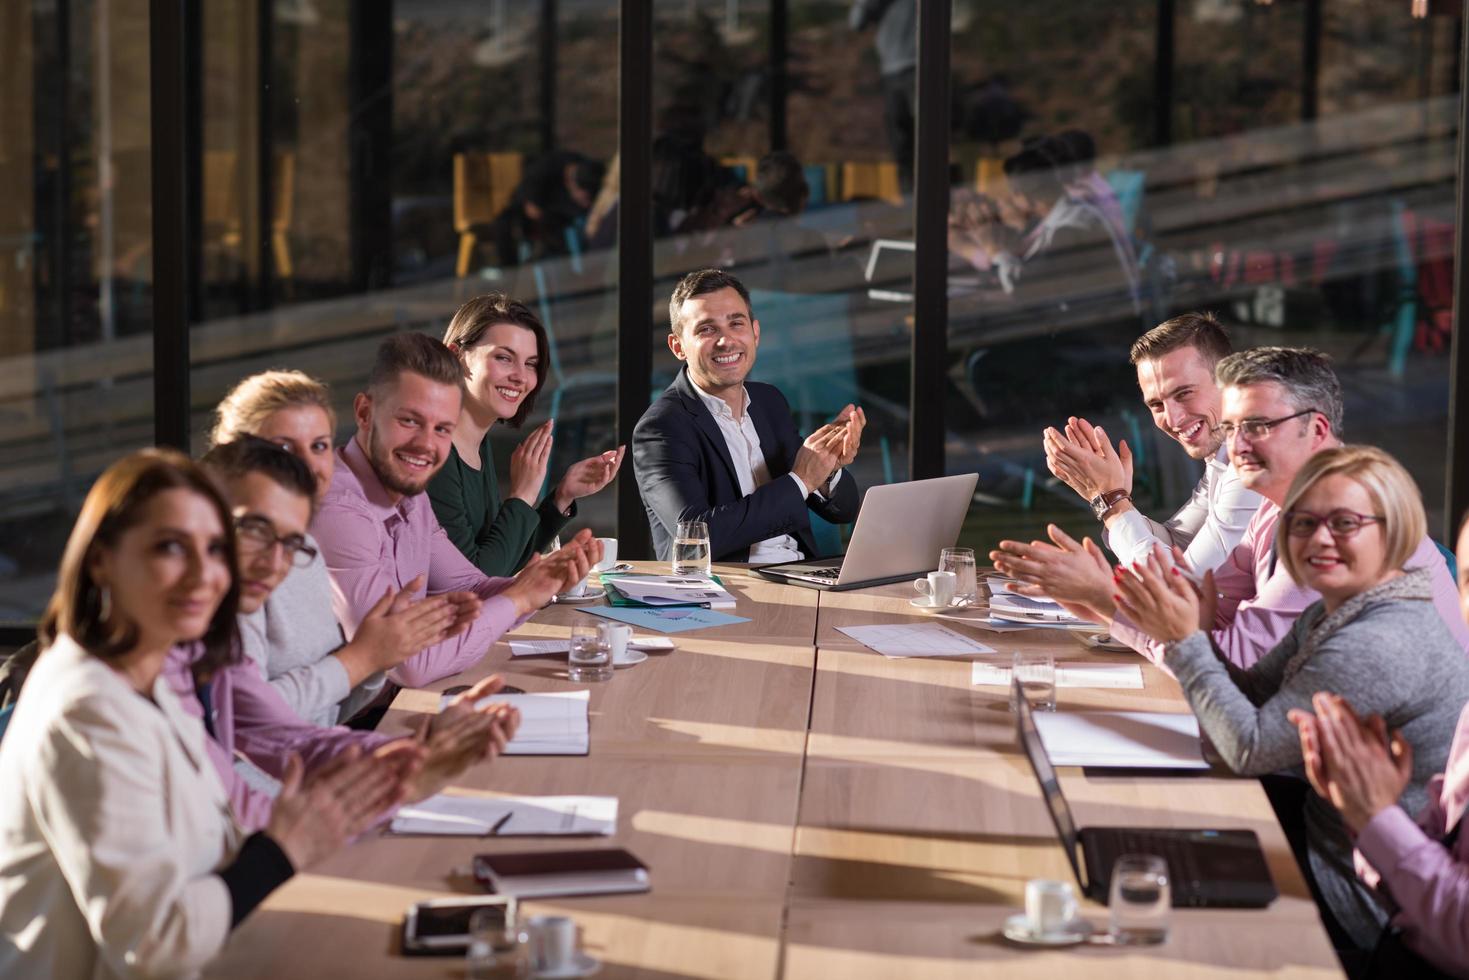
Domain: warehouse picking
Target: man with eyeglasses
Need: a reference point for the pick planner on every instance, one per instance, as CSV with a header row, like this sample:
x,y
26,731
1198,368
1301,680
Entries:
x,y
270,492
1281,406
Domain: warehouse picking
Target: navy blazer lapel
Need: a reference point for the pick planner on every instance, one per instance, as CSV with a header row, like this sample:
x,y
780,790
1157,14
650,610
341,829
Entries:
x,y
706,423
775,463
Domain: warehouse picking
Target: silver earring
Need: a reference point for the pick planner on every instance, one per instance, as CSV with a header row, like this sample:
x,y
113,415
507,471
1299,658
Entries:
x,y
104,604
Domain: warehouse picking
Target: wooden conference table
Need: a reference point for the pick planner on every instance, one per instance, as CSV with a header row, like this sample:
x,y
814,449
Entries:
x,y
808,808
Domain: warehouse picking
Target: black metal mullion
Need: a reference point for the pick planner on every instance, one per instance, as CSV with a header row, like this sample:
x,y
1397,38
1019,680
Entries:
x,y
1456,492
779,73
931,252
1311,61
1163,75
264,287
172,25
370,140
634,254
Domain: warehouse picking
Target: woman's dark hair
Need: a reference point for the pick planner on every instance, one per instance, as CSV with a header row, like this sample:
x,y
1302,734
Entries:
x,y
115,504
483,312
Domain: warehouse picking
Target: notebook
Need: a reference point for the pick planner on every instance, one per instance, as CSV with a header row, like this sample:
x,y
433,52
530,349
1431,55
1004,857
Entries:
x,y
542,873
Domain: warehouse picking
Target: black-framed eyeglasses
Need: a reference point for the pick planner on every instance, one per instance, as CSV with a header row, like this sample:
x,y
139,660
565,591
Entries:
x,y
1260,428
1341,523
258,534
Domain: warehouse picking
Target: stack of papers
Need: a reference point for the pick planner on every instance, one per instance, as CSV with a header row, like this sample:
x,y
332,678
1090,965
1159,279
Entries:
x,y
1023,609
670,590
1121,739
1067,675
920,640
550,724
542,648
513,816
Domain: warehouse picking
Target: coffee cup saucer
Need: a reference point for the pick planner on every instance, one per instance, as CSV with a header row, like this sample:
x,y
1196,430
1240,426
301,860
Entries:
x,y
592,594
1017,930
927,604
630,659
581,965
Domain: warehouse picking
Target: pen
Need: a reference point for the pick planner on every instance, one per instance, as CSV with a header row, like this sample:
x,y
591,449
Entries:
x,y
501,822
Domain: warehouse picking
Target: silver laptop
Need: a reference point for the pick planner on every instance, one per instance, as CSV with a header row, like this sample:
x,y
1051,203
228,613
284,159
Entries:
x,y
900,531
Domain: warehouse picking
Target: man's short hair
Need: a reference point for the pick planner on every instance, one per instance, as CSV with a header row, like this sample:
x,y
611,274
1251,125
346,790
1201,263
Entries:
x,y
701,283
415,352
781,182
250,454
1304,373
1201,331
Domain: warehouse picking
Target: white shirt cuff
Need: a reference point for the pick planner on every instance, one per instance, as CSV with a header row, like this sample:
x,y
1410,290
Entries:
x,y
801,485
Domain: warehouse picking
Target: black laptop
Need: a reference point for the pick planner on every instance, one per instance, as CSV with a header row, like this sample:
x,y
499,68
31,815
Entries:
x,y
1206,868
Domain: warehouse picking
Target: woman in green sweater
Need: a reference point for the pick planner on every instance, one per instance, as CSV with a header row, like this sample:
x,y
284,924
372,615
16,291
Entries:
x,y
506,355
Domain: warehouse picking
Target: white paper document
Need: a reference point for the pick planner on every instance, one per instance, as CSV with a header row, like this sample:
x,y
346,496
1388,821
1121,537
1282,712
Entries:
x,y
918,640
513,816
1067,675
550,724
1019,608
1121,739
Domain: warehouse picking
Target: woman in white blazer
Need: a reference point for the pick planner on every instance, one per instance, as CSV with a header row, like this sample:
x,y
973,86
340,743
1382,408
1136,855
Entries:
x,y
118,852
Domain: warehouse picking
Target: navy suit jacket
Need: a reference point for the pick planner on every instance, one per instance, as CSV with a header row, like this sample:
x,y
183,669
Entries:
x,y
685,473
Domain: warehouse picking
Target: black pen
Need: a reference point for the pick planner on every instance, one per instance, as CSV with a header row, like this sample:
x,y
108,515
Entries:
x,y
501,822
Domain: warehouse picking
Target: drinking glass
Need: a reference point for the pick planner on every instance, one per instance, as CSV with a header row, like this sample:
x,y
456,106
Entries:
x,y
589,655
960,561
497,950
691,549
1140,900
1037,675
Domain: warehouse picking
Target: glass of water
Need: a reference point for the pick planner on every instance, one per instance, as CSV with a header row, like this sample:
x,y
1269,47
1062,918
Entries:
x,y
691,549
960,561
589,656
1140,900
1037,675
497,950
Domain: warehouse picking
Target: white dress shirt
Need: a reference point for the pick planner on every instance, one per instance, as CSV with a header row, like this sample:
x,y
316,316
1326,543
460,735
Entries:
x,y
743,442
1208,527
112,824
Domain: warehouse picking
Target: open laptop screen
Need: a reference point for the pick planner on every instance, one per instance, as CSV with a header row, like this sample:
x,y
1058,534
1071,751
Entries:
x,y
1045,774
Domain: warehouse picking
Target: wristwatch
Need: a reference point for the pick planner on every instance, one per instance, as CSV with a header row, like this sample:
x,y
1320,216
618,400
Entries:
x,y
1103,502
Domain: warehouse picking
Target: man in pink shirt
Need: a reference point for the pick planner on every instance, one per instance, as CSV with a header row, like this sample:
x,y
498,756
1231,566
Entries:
x,y
1281,406
1422,865
377,529
270,492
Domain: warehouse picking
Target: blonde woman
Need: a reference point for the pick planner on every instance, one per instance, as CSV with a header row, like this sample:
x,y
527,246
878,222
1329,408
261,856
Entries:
x,y
121,857
1351,519
294,636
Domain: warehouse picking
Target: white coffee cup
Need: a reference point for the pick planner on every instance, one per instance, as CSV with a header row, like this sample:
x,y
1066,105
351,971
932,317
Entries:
x,y
579,589
618,636
552,942
939,587
1049,905
609,555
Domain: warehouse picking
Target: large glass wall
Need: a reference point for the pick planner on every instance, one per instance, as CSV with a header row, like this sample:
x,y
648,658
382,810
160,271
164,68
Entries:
x,y
419,154
1293,173
76,350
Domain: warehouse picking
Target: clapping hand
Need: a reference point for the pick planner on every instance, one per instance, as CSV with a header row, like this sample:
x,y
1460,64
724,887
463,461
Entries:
x,y
314,815
820,455
1083,458
542,578
855,421
1356,765
528,464
586,477
1076,575
1157,597
461,735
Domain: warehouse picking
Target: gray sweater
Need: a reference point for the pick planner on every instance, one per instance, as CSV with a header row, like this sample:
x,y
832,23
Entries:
x,y
293,637
1387,652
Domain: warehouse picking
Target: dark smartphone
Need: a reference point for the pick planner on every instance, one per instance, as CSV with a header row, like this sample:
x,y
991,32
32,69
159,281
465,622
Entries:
x,y
441,927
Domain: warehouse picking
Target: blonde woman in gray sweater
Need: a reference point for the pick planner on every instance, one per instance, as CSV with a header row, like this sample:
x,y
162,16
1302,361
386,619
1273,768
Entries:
x,y
1352,518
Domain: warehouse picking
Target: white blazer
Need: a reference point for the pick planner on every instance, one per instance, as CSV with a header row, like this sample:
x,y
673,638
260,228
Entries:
x,y
112,824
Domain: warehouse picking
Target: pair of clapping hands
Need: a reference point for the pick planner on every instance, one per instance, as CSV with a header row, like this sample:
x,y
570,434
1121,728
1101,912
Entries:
x,y
1357,766
316,814
399,625
830,447
1160,594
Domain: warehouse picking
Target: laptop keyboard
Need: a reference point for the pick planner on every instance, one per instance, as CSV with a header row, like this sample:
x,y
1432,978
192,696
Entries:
x,y
1179,851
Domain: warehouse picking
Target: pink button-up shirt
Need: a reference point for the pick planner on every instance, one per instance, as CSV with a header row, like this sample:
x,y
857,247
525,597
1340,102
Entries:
x,y
373,545
1258,601
1428,881
250,717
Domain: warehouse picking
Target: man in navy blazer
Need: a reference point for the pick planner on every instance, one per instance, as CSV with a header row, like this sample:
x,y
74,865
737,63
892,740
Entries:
x,y
725,451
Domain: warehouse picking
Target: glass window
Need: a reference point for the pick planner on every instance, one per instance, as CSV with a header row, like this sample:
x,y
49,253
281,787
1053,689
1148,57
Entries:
x,y
1073,231
76,351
